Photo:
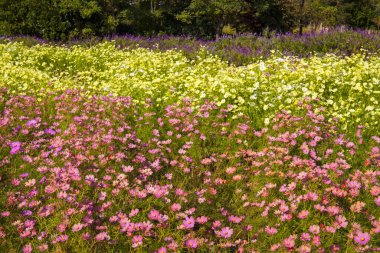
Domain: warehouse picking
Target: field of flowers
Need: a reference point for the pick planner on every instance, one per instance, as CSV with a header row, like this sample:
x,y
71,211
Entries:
x,y
136,150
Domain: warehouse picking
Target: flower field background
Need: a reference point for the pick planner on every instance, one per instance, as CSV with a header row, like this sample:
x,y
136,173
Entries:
x,y
105,149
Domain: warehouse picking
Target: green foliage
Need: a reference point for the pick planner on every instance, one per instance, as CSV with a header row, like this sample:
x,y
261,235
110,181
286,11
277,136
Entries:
x,y
68,19
228,30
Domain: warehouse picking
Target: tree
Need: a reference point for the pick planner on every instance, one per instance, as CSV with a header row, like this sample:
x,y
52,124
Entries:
x,y
208,17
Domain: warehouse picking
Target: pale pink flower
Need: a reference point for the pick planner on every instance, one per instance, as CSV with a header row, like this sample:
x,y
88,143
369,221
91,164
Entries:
x,y
77,227
304,248
176,207
270,230
314,229
303,214
289,242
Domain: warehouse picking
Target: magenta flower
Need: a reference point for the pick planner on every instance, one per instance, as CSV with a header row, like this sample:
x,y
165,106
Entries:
x,y
154,215
191,243
226,232
50,131
362,238
15,147
31,122
189,222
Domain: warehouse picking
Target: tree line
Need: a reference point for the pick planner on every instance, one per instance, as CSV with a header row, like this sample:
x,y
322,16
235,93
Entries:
x,y
71,19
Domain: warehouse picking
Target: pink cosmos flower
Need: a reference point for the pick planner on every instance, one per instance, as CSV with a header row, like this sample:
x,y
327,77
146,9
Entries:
x,y
335,248
289,242
375,190
202,219
162,250
226,232
192,243
43,247
15,182
27,248
377,201
188,223
303,214
357,207
127,169
305,237
102,236
230,170
235,219
31,122
86,236
270,230
77,227
30,182
216,224
341,221
275,247
25,233
62,227
176,207
333,210
15,148
154,215
314,229
134,212
362,238
304,248
173,245
317,240
330,229
137,241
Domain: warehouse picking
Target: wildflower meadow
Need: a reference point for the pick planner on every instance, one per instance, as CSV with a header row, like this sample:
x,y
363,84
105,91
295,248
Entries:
x,y
108,149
